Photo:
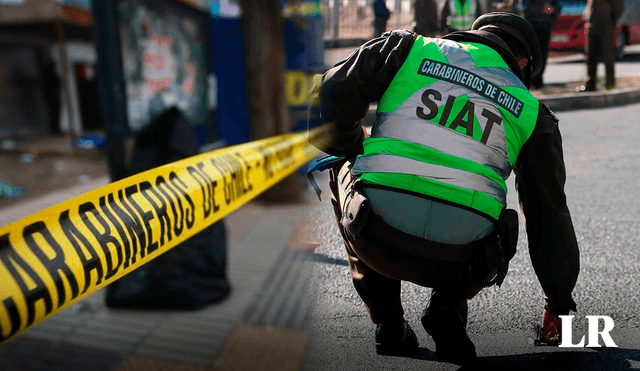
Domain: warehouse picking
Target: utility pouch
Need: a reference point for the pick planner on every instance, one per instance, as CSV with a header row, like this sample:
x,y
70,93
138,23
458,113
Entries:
x,y
355,214
487,258
498,250
510,227
507,231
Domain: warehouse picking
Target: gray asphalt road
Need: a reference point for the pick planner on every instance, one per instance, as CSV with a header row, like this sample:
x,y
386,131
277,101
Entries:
x,y
602,157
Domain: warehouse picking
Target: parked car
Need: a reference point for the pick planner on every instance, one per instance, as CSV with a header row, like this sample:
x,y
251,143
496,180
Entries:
x,y
568,33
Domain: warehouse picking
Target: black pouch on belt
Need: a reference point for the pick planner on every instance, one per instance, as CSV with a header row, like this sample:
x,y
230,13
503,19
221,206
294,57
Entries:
x,y
355,214
499,249
509,220
507,229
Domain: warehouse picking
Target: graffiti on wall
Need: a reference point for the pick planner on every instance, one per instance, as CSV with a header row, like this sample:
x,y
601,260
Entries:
x,y
164,61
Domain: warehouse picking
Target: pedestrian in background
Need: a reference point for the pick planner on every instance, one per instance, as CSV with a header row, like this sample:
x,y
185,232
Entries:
x,y
425,13
423,198
381,15
458,15
542,16
601,17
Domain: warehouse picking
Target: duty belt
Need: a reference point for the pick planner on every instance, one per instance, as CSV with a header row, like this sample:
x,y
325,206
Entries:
x,y
379,229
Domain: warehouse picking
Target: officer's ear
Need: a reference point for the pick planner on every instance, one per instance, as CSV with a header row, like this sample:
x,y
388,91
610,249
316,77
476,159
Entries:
x,y
522,62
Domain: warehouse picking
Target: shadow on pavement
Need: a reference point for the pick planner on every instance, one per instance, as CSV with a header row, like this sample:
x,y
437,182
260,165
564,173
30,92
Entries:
x,y
322,258
425,354
609,359
604,359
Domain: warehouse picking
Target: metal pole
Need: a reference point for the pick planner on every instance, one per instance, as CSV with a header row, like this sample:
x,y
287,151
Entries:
x,y
64,68
398,10
335,19
110,76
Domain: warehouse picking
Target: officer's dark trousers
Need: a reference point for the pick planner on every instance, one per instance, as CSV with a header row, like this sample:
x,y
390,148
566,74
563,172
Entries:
x,y
377,268
599,44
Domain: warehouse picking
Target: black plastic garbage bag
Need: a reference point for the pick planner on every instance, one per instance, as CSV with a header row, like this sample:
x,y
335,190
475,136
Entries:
x,y
189,276
192,274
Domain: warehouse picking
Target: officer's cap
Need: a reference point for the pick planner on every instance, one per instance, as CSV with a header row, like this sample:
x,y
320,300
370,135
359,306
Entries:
x,y
517,27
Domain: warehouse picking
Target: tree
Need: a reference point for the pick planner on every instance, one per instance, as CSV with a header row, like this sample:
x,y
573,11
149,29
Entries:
x,y
263,32
262,26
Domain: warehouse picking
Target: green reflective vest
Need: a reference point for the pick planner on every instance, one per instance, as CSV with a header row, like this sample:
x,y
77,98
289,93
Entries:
x,y
461,16
450,126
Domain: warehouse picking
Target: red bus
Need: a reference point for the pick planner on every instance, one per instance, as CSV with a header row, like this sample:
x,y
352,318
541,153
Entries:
x,y
568,33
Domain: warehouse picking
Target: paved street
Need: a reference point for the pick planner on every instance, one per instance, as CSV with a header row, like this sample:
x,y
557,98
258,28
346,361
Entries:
x,y
601,155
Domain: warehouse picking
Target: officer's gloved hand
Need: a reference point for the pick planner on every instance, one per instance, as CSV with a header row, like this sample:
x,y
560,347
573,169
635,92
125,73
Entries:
x,y
551,329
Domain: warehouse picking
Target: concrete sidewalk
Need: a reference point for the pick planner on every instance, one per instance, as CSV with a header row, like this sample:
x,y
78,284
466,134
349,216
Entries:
x,y
260,326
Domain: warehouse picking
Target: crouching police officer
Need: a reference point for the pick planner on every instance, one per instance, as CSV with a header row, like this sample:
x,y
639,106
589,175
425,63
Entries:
x,y
423,198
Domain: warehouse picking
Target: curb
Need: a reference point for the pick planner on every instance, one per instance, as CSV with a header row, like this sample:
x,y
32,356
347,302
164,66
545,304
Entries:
x,y
591,100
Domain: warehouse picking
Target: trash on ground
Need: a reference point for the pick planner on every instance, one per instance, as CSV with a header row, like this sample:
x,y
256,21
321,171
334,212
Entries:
x,y
90,141
27,158
8,145
9,191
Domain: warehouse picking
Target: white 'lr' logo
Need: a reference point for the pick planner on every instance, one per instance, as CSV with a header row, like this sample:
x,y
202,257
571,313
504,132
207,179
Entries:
x,y
593,332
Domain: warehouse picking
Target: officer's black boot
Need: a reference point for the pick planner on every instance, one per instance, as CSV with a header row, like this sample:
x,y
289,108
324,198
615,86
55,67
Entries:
x,y
395,338
446,323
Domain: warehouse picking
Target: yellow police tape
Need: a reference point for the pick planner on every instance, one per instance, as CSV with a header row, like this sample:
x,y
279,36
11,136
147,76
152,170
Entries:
x,y
64,253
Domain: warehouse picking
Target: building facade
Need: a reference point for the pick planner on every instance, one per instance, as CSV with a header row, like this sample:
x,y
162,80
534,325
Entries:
x,y
47,77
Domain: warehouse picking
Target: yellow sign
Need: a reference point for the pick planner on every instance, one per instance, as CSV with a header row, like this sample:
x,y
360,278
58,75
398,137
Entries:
x,y
301,88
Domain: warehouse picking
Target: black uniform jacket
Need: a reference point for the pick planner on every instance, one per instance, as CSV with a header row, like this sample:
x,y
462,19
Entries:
x,y
353,84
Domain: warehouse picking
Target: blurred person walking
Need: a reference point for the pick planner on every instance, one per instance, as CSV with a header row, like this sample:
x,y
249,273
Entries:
x,y
381,16
458,15
601,17
425,13
542,16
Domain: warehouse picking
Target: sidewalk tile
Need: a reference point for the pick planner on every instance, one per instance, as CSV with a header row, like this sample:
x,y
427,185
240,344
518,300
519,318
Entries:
x,y
175,352
137,363
250,348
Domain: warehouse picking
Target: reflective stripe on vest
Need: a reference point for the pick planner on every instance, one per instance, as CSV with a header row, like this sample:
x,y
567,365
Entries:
x,y
450,125
461,16
385,163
